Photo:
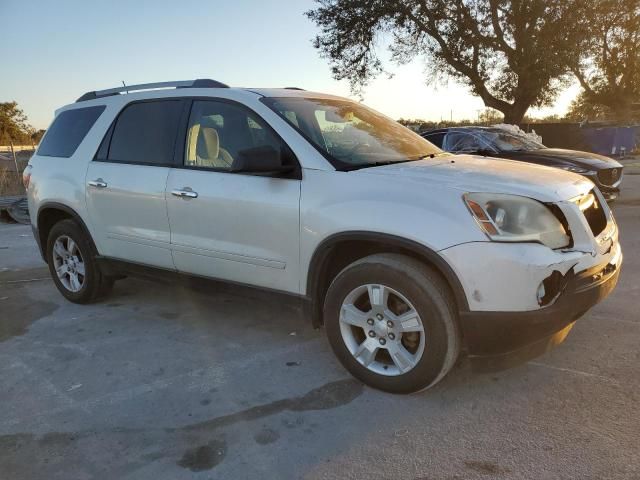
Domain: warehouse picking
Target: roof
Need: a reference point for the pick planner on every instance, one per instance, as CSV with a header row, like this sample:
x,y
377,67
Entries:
x,y
200,83
292,92
119,96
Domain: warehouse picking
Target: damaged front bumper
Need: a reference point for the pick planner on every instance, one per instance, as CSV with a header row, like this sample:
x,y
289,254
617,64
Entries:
x,y
500,339
524,298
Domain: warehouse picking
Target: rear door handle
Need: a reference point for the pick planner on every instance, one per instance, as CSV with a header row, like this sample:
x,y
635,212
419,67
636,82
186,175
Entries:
x,y
185,193
98,183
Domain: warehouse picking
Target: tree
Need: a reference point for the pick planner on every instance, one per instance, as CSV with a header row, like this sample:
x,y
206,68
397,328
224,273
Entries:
x,y
489,117
13,123
514,54
582,109
37,135
610,72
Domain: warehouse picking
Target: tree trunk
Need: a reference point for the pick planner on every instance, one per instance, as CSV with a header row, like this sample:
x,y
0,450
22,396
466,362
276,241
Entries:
x,y
515,114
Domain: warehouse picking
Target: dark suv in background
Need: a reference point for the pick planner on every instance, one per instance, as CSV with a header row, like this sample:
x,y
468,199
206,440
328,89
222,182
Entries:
x,y
605,172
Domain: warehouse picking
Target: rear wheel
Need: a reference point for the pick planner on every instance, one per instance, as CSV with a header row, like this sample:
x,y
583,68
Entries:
x,y
73,266
392,323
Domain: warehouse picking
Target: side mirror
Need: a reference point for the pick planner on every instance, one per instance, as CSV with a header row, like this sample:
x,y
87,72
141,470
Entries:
x,y
264,159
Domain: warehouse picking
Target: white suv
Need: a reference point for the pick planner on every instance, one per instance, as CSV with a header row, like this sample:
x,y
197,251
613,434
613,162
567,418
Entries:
x,y
406,254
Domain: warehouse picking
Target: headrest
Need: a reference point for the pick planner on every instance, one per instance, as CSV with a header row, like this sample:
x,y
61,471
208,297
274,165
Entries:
x,y
208,138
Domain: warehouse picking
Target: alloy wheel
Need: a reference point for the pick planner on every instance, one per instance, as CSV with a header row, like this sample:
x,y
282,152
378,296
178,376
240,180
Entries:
x,y
68,263
382,329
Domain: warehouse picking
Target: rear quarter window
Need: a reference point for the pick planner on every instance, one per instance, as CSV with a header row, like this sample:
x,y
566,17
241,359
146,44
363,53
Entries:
x,y
68,130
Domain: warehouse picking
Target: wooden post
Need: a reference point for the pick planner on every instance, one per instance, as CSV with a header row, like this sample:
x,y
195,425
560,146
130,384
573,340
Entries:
x,y
15,160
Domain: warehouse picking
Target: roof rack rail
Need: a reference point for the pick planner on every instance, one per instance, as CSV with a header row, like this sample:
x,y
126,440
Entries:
x,y
198,83
294,88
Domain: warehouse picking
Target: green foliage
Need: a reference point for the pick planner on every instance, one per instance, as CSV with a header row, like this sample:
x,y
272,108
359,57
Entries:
x,y
582,109
609,71
14,127
514,54
486,118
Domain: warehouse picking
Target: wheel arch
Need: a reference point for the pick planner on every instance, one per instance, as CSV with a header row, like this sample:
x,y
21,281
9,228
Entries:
x,y
339,250
51,213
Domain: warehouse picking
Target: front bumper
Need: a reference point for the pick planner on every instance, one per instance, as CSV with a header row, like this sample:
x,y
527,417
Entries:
x,y
609,192
501,339
508,321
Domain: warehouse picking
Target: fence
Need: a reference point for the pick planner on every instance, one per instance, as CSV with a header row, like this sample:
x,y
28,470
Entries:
x,y
606,140
17,148
13,159
10,183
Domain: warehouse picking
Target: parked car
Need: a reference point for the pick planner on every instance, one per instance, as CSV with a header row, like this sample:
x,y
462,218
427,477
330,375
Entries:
x,y
407,254
605,172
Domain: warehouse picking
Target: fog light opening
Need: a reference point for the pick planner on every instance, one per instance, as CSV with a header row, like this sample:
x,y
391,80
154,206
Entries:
x,y
551,287
541,293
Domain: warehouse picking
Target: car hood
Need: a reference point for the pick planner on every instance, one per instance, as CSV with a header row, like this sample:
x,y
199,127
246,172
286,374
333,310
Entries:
x,y
559,156
470,173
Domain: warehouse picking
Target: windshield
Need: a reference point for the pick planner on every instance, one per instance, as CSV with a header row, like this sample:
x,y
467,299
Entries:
x,y
508,142
351,135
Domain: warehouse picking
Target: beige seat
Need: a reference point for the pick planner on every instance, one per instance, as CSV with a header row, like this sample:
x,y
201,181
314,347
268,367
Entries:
x,y
204,148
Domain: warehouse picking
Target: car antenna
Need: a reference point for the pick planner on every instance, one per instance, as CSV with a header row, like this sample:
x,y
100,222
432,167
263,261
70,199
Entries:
x,y
124,85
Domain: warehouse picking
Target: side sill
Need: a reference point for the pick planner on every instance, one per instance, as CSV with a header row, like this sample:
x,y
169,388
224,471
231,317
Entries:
x,y
117,268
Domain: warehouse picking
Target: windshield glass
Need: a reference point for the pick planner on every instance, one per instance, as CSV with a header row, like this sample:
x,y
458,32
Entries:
x,y
350,134
508,142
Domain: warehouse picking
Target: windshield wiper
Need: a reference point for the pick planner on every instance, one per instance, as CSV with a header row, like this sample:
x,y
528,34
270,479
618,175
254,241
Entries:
x,y
381,163
431,155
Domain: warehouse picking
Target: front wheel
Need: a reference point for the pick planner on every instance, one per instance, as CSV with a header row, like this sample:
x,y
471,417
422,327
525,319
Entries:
x,y
72,264
391,321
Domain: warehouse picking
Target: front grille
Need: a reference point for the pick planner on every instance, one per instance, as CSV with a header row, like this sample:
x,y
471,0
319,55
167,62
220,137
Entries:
x,y
609,176
593,212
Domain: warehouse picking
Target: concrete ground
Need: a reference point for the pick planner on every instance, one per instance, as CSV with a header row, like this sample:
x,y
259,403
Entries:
x,y
167,383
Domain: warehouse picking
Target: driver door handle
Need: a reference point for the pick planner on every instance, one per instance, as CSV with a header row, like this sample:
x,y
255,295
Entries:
x,y
185,193
98,183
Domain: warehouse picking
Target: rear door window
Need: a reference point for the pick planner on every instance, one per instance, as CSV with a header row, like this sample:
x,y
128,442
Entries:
x,y
68,130
146,132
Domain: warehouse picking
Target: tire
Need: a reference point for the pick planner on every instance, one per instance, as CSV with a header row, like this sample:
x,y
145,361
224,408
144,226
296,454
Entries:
x,y
410,287
89,287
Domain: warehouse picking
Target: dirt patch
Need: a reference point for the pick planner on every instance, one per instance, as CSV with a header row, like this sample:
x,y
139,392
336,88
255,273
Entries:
x,y
266,436
19,311
9,277
197,447
331,395
486,468
204,457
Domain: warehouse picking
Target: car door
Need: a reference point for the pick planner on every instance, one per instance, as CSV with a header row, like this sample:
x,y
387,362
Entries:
x,y
233,226
126,183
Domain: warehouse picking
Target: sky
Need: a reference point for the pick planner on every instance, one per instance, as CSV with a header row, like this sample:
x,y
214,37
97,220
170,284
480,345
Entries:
x,y
51,52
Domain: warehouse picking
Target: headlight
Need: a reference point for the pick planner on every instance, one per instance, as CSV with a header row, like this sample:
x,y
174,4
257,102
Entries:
x,y
574,169
511,218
